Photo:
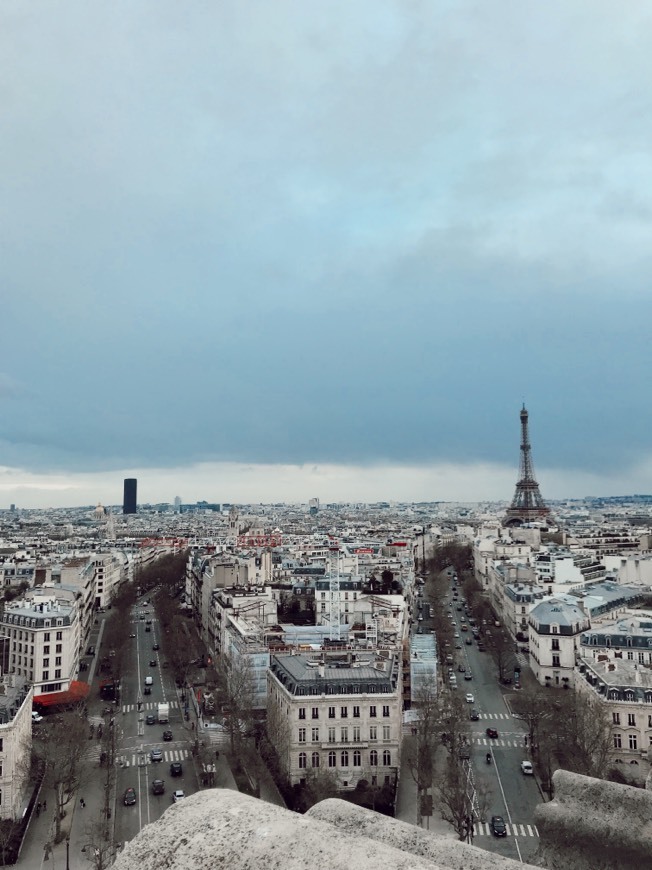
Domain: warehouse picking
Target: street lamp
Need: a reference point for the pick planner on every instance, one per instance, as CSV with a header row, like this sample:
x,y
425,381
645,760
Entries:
x,y
67,853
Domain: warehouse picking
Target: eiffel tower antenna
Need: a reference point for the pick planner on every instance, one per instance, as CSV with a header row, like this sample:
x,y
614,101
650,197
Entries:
x,y
527,504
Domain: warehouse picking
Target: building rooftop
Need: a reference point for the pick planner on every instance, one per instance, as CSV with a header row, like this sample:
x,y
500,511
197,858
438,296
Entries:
x,y
338,673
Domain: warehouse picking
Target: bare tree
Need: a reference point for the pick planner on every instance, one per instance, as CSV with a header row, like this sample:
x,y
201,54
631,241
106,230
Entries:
x,y
98,848
276,747
62,754
587,740
236,689
533,706
455,792
501,648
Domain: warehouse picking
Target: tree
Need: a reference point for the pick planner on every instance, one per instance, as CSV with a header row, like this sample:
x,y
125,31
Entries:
x,y
320,784
455,792
532,705
98,848
586,743
501,648
276,746
62,754
236,689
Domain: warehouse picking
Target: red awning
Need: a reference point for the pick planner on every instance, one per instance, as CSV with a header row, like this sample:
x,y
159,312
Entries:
x,y
77,692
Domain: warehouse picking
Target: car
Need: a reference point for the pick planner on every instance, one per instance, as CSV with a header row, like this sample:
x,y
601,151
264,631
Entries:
x,y
468,675
36,717
481,647
90,651
158,786
475,716
468,641
506,681
148,622
469,698
129,797
459,607
148,628
498,826
155,647
152,663
458,645
155,755
526,768
150,719
178,795
176,769
491,732
461,668
167,735
132,635
149,681
147,690
420,617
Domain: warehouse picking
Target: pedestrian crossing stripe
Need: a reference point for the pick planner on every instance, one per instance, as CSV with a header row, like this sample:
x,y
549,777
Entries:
x,y
483,829
148,705
483,741
168,756
495,716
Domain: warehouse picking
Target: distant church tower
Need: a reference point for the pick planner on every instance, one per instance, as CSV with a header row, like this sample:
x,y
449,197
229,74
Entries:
x,y
527,505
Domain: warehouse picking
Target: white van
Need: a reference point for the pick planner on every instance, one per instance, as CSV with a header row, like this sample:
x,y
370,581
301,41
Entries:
x,y
148,681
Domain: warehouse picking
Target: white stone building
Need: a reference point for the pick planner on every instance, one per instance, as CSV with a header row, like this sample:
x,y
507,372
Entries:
x,y
342,714
555,628
15,743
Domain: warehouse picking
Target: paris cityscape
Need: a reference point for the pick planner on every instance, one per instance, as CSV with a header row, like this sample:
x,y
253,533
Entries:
x,y
325,457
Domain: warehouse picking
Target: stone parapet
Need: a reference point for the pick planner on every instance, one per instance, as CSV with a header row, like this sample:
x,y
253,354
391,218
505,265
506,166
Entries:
x,y
594,825
221,828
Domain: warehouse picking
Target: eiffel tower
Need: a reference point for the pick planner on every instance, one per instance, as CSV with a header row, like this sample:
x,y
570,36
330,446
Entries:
x,y
527,504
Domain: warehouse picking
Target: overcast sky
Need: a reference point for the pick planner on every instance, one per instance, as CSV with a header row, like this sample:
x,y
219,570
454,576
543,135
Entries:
x,y
276,250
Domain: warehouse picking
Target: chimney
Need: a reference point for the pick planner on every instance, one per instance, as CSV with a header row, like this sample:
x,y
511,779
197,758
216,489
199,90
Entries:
x,y
320,670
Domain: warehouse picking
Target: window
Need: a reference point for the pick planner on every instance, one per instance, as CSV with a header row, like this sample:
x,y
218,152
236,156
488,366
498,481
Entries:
x,y
302,712
387,758
315,712
46,650
618,742
344,732
59,648
331,735
57,674
385,710
46,637
344,758
344,712
356,734
373,732
59,635
46,675
302,735
555,644
315,735
356,712
2,744
631,718
386,732
630,655
615,718
357,758
46,663
302,760
372,712
373,758
332,759
555,661
315,759
57,660
331,712
649,721
633,743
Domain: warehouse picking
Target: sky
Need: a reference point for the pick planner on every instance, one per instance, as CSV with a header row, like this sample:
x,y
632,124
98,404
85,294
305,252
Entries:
x,y
256,251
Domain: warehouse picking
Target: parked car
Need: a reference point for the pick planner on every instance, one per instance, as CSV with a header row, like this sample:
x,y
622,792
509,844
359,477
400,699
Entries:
x,y
468,675
498,826
129,797
491,732
36,717
526,768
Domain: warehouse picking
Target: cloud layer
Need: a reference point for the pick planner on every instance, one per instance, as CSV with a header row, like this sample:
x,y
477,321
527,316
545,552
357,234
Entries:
x,y
349,234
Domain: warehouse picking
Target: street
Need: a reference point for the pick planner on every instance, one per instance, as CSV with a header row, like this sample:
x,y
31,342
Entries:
x,y
502,789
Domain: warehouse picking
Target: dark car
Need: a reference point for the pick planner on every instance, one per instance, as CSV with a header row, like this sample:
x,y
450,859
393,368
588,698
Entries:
x,y
148,628
498,826
176,769
129,798
158,786
491,732
475,716
147,690
155,647
152,663
90,651
167,735
150,719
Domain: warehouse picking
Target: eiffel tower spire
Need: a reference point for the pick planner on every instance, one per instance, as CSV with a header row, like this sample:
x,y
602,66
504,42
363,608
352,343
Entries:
x,y
527,504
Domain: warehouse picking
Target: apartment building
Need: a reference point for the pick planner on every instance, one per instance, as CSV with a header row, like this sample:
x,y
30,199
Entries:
x,y
15,743
342,714
555,627
43,631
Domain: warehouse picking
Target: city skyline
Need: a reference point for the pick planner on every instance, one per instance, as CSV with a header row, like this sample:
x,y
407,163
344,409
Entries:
x,y
259,253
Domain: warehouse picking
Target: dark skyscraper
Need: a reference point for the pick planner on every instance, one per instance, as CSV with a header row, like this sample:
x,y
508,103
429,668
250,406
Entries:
x,y
129,501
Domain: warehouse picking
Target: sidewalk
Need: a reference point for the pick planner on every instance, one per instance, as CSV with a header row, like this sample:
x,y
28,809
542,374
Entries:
x,y
406,797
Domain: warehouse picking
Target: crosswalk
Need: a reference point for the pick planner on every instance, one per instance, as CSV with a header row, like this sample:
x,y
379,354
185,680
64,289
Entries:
x,y
147,705
500,741
134,759
495,716
483,829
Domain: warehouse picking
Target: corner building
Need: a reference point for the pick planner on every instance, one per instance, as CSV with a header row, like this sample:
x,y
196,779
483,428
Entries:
x,y
340,712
